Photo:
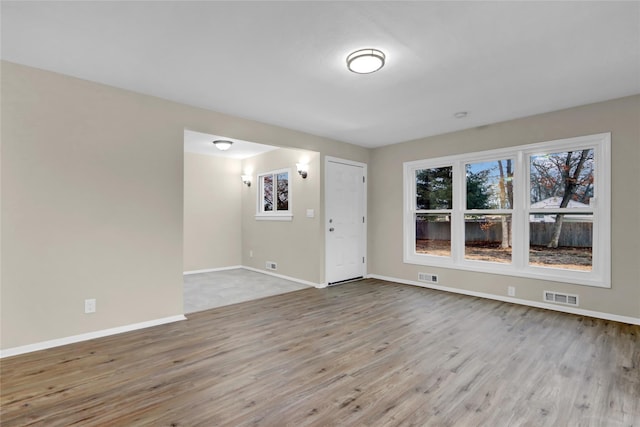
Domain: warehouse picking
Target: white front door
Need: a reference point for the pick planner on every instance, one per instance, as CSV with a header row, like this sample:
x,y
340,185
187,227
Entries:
x,y
345,190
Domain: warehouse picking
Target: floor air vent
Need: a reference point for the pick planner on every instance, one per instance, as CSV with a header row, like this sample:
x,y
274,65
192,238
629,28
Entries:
x,y
424,277
560,298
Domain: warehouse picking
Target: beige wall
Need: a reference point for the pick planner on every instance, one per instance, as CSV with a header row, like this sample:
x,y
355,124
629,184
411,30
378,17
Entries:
x,y
212,206
92,208
620,117
220,228
92,201
294,245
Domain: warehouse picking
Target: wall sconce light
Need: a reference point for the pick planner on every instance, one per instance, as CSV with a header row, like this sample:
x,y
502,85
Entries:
x,y
302,169
222,144
246,179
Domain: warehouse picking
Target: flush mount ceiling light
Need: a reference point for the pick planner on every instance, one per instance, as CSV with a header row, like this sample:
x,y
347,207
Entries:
x,y
222,144
365,61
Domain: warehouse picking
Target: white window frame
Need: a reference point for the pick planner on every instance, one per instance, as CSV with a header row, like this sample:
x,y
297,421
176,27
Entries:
x,y
462,202
599,276
275,215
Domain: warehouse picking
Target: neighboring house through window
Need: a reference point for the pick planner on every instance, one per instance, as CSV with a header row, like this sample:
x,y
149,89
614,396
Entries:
x,y
540,210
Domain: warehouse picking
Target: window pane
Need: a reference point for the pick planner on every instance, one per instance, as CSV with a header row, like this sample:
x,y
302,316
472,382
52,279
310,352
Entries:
x,y
487,238
267,192
561,241
433,234
490,185
283,191
562,180
434,188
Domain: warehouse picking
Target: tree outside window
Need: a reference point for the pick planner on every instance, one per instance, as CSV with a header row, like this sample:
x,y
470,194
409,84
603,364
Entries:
x,y
539,210
274,197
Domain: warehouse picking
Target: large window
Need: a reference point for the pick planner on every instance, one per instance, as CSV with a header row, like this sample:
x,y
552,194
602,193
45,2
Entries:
x,y
540,210
274,198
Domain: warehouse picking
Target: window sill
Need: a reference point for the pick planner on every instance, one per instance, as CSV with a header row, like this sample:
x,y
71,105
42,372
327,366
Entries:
x,y
274,217
551,274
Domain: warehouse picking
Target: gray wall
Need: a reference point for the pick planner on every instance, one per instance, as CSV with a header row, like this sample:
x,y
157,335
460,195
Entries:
x,y
620,117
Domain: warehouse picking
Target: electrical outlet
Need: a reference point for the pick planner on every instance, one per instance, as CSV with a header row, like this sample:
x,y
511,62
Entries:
x,y
90,305
271,265
250,253
511,291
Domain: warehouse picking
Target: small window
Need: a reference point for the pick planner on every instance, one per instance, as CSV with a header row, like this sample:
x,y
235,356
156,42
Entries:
x,y
274,197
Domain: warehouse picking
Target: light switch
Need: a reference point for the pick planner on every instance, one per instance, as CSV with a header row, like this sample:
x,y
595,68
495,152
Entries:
x,y
310,213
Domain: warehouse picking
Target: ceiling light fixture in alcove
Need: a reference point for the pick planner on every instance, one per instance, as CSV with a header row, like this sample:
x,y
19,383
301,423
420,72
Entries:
x,y
222,144
365,61
203,143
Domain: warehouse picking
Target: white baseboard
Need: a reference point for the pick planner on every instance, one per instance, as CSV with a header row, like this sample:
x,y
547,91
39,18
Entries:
x,y
88,336
106,332
209,270
280,276
257,270
572,310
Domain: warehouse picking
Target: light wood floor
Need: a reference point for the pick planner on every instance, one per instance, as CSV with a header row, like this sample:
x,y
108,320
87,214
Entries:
x,y
368,353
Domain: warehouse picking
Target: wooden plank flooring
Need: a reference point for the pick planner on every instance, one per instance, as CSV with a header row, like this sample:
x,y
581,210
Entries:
x,y
368,353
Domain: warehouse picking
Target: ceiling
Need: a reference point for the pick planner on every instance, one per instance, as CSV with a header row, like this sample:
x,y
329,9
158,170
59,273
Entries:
x,y
283,63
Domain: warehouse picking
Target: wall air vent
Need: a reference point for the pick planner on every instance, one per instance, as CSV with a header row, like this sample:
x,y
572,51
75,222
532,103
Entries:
x,y
426,277
560,298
